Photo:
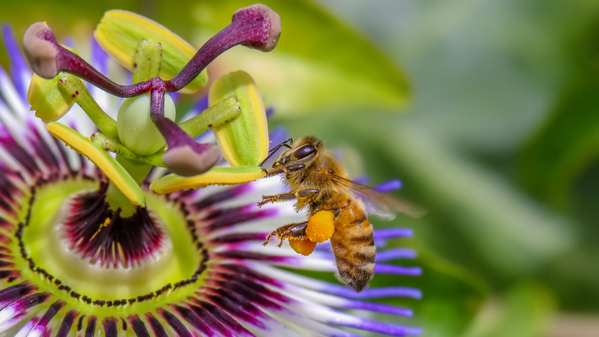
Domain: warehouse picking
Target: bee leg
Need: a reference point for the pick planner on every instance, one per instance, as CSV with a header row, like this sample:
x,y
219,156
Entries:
x,y
304,195
297,231
283,169
268,237
275,198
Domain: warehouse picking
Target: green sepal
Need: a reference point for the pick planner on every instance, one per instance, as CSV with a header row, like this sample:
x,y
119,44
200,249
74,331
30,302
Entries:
x,y
243,141
215,176
103,160
119,33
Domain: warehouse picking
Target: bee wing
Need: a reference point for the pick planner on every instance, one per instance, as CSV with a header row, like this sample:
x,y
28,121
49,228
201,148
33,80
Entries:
x,y
378,203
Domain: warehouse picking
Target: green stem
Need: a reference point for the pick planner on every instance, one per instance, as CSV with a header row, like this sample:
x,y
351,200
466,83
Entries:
x,y
113,145
116,199
136,169
220,113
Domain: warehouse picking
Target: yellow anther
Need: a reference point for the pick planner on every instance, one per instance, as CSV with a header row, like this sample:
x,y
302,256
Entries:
x,y
106,223
321,226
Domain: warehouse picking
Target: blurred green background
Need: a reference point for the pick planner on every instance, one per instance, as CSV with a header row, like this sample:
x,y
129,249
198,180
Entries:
x,y
487,110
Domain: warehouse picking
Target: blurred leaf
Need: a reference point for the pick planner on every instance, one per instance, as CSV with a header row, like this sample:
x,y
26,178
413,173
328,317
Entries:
x,y
568,142
319,61
523,311
451,298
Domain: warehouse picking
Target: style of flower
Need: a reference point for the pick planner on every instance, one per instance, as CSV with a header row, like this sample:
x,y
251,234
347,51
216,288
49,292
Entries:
x,y
89,248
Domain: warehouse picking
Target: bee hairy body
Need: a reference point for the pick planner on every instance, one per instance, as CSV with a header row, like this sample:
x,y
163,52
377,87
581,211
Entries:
x,y
353,246
352,240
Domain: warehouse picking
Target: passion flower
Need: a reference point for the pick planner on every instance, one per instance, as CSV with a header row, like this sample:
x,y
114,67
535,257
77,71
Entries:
x,y
87,248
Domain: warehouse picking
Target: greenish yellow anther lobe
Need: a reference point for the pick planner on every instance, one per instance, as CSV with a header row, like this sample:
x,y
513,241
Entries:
x,y
119,33
45,97
215,176
243,141
103,160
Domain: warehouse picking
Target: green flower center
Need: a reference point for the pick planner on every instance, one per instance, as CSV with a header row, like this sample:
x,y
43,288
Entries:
x,y
50,261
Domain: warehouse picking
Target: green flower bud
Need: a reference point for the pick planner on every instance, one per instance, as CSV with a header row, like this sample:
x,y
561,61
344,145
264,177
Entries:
x,y
136,129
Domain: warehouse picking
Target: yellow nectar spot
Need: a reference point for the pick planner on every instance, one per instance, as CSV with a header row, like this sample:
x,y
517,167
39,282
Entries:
x,y
321,226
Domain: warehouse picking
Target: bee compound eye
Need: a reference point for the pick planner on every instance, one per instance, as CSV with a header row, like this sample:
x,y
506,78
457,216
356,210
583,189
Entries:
x,y
304,151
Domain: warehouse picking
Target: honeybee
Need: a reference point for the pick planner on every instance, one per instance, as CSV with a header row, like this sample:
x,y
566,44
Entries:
x,y
318,182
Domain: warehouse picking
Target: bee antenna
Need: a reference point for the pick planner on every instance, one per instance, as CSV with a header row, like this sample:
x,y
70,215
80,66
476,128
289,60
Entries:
x,y
272,151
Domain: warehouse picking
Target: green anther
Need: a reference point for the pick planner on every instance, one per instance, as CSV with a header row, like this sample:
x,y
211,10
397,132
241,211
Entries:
x,y
71,86
113,145
48,101
230,175
243,141
146,62
119,34
215,116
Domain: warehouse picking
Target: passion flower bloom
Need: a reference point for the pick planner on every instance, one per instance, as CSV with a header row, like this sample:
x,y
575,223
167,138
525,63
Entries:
x,y
83,253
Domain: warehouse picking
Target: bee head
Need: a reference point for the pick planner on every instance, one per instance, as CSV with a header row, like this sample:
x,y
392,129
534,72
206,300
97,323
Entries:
x,y
303,151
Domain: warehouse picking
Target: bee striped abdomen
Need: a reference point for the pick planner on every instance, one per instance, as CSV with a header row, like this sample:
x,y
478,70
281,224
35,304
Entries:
x,y
353,246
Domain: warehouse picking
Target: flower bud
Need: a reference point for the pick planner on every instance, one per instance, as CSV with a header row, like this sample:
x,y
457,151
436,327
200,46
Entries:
x,y
136,129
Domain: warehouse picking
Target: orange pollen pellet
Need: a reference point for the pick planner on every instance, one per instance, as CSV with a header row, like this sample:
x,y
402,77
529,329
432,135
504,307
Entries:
x,y
321,226
303,247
